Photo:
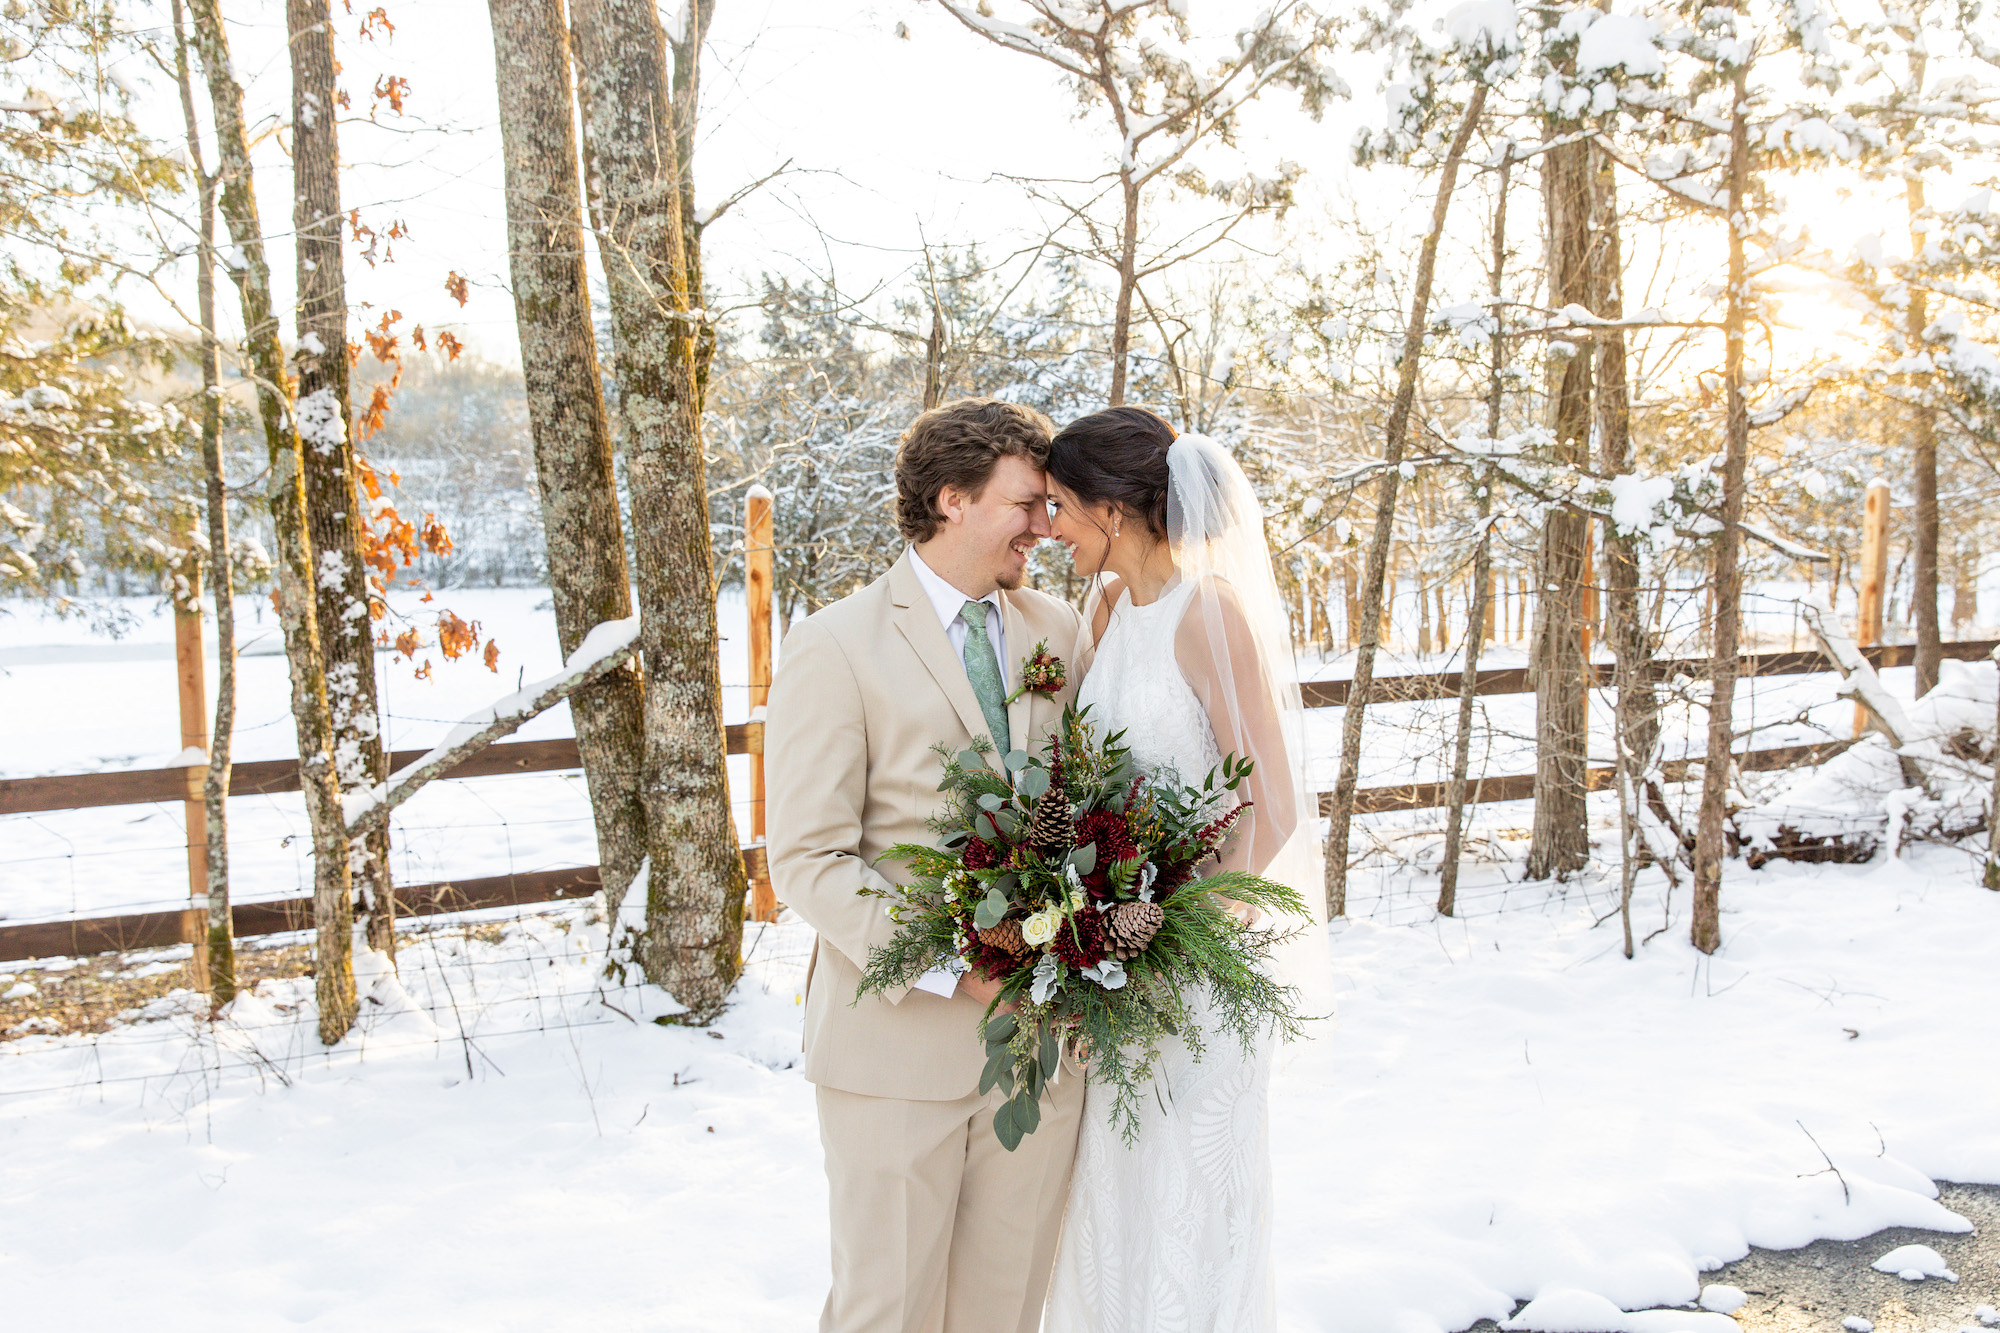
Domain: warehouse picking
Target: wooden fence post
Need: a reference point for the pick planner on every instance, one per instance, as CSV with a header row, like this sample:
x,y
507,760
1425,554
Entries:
x,y
193,688
757,580
1874,575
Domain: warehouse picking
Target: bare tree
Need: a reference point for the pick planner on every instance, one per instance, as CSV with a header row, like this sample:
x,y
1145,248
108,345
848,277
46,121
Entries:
x,y
583,532
694,906
1560,843
1709,847
220,928
1384,535
333,904
1478,608
1134,57
326,428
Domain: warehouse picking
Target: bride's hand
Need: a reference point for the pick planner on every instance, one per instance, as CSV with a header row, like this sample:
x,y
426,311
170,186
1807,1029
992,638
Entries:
x,y
1243,912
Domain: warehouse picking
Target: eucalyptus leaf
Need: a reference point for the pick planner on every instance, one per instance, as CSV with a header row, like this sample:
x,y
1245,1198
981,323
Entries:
x,y
996,1064
1016,760
1010,824
1027,1112
1004,1127
971,760
1033,783
1051,1052
990,802
1034,1079
982,824
991,908
1005,882
1084,858
1001,1029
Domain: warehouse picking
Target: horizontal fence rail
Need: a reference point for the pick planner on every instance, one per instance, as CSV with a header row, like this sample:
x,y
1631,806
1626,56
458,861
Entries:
x,y
1520,786
263,777
1514,680
159,929
155,930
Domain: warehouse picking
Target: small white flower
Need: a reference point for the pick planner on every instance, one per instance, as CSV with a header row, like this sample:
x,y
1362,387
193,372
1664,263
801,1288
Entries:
x,y
1040,928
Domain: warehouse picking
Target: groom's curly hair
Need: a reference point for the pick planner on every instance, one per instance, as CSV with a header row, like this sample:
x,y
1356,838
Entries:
x,y
959,445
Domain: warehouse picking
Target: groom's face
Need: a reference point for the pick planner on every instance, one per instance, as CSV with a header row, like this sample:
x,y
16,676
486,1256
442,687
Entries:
x,y
992,533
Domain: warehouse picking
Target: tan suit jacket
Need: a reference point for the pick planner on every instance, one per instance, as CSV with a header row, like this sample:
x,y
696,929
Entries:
x,y
863,690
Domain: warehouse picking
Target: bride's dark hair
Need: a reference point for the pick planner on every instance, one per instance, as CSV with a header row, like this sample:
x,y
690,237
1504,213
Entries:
x,y
1117,456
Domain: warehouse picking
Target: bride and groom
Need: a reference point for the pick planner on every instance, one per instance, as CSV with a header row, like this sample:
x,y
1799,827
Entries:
x,y
1185,647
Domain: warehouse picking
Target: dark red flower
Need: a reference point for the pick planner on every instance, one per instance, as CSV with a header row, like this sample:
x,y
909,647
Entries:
x,y
1081,941
1108,831
980,855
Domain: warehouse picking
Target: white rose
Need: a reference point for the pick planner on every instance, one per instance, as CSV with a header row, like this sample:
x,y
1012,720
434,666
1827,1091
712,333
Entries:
x,y
1040,928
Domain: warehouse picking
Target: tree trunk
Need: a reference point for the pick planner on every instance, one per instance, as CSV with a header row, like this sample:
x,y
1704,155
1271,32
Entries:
x,y
1923,460
1479,609
588,576
1560,844
694,912
326,428
220,929
1638,721
1128,267
333,903
1379,542
1706,929
686,47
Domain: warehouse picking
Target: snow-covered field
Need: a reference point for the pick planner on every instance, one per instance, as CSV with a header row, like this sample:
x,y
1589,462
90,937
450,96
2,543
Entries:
x,y
1505,1110
72,701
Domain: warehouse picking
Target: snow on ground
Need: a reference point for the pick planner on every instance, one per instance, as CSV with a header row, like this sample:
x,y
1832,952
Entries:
x,y
1505,1111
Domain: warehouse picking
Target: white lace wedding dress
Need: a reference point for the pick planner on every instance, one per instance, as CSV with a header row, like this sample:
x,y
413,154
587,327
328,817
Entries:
x,y
1173,1233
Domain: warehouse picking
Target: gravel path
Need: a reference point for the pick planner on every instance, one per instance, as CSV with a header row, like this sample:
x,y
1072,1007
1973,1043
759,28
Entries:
x,y
1811,1290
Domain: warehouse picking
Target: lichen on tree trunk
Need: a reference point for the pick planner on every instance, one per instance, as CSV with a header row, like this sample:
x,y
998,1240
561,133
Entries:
x,y
333,905
588,577
694,914
346,635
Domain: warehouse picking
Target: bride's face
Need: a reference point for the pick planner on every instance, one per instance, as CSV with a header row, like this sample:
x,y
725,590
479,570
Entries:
x,y
1085,528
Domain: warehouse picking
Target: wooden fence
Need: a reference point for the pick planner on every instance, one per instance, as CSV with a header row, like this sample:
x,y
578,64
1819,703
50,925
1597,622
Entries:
x,y
155,929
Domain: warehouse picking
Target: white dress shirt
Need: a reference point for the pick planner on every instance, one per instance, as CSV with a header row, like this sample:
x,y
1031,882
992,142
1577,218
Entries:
x,y
948,601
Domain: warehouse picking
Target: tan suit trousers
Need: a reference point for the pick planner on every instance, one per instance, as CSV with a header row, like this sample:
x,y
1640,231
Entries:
x,y
936,1227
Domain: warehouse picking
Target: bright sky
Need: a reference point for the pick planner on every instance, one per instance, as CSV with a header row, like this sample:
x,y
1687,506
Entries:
x,y
890,140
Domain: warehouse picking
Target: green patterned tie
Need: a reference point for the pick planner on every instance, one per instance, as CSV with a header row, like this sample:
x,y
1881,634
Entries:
x,y
982,668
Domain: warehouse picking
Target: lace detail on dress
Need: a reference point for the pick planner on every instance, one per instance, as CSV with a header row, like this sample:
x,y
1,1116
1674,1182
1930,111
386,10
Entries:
x,y
1174,1233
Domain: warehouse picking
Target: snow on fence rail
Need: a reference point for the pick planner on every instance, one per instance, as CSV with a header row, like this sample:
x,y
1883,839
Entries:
x,y
152,929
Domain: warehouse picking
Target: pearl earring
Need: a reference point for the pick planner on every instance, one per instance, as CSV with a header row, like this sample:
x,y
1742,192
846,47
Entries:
x,y
1117,525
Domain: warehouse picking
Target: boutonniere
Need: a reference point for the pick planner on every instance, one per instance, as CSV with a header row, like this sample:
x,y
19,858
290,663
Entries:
x,y
1042,672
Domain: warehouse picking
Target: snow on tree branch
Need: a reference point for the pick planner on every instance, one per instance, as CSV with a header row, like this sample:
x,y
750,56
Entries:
x,y
603,650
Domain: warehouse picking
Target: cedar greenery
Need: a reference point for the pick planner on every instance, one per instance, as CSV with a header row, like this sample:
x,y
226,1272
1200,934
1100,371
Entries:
x,y
994,879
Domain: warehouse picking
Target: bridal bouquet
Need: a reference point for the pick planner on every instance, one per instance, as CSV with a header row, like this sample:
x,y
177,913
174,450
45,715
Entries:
x,y
1072,880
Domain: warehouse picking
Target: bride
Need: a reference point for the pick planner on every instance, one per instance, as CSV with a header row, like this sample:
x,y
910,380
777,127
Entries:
x,y
1192,660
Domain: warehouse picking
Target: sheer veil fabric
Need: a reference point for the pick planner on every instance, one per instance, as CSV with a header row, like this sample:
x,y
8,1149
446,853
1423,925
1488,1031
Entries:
x,y
1237,623
1172,1233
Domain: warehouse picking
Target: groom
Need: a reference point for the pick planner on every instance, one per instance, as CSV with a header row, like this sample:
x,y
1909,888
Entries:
x,y
936,1227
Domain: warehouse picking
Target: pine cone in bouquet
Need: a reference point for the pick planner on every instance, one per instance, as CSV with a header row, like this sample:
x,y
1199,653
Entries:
x,y
1005,937
1050,832
1130,927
